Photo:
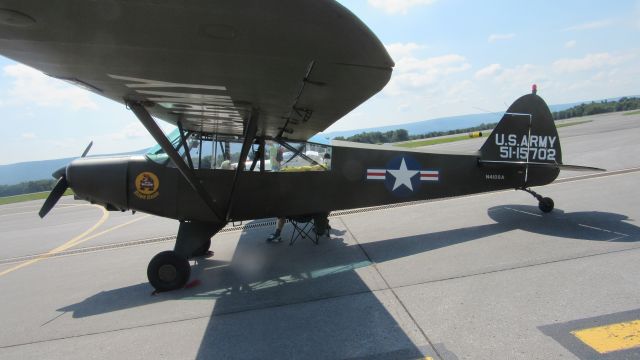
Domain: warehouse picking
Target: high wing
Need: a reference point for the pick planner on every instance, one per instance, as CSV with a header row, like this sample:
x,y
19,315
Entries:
x,y
300,65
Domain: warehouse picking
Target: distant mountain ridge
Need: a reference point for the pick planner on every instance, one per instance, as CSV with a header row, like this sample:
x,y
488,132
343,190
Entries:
x,y
37,170
444,123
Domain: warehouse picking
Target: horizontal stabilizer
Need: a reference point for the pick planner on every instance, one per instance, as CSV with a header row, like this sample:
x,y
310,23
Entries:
x,y
539,164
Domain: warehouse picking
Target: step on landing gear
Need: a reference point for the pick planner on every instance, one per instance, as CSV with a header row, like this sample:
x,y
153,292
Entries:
x,y
170,270
545,204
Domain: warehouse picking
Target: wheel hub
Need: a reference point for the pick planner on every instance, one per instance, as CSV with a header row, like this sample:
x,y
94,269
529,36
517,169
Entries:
x,y
167,273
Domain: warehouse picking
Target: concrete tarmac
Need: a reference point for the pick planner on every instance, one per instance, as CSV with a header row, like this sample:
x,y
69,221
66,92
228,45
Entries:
x,y
477,277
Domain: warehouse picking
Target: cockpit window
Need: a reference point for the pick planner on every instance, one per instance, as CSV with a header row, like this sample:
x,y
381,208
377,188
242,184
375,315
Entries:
x,y
222,152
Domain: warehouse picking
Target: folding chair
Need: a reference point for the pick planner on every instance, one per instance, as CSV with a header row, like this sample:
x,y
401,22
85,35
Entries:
x,y
303,227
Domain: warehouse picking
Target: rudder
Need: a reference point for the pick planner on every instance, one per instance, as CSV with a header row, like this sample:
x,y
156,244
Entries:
x,y
526,133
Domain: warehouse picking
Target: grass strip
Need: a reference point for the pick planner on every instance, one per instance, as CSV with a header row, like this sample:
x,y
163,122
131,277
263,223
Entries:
x,y
427,142
572,123
28,197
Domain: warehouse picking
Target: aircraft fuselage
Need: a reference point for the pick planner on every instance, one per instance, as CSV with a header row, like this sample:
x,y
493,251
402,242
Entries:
x,y
358,177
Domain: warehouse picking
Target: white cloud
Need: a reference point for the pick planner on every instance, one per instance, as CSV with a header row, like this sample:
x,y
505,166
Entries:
x,y
28,136
518,79
30,86
589,62
488,71
413,74
402,50
459,88
398,6
599,24
522,73
570,44
497,37
133,130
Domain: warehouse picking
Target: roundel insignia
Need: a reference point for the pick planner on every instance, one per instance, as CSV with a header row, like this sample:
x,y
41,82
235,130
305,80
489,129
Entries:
x,y
147,185
403,175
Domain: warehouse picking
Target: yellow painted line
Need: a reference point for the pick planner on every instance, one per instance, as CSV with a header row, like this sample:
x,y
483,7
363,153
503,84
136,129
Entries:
x,y
68,244
609,338
108,230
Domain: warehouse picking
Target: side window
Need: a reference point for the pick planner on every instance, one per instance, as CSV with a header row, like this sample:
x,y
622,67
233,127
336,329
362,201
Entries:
x,y
222,152
195,144
304,157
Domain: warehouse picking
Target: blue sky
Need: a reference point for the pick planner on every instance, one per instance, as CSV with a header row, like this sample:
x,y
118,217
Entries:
x,y
452,57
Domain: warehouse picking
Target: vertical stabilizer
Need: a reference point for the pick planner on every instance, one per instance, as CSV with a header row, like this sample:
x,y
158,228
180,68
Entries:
x,y
526,133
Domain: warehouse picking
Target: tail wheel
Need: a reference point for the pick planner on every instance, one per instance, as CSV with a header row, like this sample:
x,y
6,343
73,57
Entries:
x,y
546,205
168,271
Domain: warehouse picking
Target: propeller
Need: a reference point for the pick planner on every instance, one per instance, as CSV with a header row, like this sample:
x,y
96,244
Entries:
x,y
61,186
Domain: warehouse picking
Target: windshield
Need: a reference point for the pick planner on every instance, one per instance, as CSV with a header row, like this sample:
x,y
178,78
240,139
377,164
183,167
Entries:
x,y
158,155
206,151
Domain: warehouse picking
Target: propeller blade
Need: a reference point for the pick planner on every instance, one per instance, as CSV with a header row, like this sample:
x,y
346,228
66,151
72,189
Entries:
x,y
87,149
59,173
54,196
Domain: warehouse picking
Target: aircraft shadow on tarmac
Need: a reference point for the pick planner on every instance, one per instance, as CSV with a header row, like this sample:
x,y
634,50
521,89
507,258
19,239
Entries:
x,y
585,225
351,321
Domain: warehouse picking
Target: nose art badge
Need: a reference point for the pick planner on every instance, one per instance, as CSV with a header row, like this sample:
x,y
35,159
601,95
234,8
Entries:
x,y
147,185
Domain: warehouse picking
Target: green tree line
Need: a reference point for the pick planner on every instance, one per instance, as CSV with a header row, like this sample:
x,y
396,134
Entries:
x,y
27,187
623,104
377,137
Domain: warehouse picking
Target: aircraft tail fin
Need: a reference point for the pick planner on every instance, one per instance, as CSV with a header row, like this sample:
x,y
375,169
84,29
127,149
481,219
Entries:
x,y
526,133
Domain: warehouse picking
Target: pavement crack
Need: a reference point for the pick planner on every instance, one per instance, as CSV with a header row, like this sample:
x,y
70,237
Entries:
x,y
388,286
193,318
54,319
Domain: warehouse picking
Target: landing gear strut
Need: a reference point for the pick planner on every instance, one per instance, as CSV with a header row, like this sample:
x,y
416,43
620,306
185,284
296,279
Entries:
x,y
170,270
545,204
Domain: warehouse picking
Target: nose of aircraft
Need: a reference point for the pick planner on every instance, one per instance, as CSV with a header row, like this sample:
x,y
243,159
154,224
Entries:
x,y
100,180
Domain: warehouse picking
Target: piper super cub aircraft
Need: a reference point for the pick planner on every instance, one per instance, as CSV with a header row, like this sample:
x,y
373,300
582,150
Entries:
x,y
241,79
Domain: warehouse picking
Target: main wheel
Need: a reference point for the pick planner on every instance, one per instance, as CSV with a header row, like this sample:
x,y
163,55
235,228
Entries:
x,y
168,271
546,205
202,250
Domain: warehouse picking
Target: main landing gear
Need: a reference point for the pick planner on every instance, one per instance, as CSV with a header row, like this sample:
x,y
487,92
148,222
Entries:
x,y
170,270
545,204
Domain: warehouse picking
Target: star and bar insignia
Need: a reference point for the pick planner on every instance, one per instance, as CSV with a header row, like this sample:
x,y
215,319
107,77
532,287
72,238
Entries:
x,y
403,175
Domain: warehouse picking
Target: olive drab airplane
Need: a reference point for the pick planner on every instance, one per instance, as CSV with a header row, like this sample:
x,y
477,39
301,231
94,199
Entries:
x,y
248,83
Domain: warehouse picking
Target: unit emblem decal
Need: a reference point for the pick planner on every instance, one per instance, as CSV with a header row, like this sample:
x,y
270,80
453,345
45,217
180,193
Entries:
x,y
147,185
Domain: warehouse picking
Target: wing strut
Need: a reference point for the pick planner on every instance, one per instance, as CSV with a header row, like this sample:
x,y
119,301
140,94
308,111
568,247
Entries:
x,y
249,134
183,138
145,118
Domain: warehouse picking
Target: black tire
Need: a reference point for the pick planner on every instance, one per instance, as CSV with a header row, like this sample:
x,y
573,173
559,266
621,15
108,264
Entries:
x,y
202,250
168,271
546,205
